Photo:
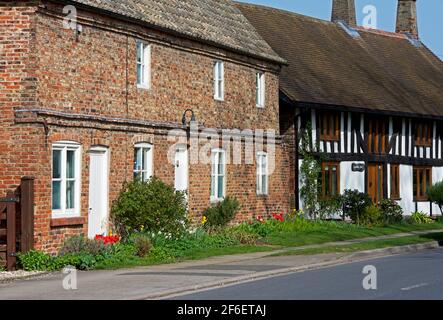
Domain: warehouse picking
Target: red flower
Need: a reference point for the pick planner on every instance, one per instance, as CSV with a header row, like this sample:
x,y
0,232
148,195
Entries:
x,y
278,217
108,239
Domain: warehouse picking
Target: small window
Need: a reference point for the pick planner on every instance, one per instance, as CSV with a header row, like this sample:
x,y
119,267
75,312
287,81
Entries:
x,y
330,179
143,161
65,179
423,134
143,65
329,126
218,174
422,181
260,89
262,173
395,181
219,82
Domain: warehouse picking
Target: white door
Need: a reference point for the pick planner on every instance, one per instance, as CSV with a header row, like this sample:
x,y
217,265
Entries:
x,y
181,168
98,192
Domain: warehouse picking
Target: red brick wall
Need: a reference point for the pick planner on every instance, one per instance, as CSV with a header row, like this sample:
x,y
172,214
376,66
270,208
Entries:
x,y
96,76
17,82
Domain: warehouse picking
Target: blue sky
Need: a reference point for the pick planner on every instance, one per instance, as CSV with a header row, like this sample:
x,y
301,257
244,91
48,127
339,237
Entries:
x,y
429,15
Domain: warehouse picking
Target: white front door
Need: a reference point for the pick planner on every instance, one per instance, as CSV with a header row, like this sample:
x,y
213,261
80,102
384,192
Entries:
x,y
98,192
181,168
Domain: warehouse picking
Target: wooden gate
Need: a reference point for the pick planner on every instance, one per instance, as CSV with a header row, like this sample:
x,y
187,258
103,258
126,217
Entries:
x,y
17,223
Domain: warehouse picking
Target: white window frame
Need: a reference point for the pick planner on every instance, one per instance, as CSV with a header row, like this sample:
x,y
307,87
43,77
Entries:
x,y
262,189
260,86
148,166
64,146
145,63
219,80
215,174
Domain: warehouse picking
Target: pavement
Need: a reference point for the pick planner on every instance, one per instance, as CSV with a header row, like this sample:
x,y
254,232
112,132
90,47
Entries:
x,y
413,276
165,281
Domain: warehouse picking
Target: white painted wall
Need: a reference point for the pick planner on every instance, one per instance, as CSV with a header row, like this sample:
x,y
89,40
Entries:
x,y
349,179
437,176
406,192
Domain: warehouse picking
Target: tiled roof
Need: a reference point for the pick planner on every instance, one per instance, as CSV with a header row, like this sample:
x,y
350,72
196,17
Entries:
x,y
218,22
379,71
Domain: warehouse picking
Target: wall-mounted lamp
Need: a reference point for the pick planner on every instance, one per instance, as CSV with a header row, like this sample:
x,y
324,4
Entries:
x,y
184,122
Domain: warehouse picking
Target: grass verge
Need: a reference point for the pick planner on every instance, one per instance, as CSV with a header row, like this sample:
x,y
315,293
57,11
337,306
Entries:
x,y
322,232
367,245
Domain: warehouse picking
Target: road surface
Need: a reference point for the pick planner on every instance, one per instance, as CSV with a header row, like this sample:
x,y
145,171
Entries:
x,y
409,276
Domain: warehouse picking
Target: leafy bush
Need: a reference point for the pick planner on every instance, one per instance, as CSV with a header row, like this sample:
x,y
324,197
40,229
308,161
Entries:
x,y
78,244
244,237
152,206
220,214
143,244
435,195
391,212
330,207
40,261
420,218
371,216
355,203
35,261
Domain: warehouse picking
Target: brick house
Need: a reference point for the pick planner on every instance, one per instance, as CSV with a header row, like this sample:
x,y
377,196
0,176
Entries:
x,y
90,91
372,98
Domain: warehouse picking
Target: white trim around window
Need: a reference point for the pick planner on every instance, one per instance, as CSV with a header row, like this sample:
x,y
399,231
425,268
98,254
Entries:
x,y
143,161
218,175
66,179
262,173
143,65
260,89
219,80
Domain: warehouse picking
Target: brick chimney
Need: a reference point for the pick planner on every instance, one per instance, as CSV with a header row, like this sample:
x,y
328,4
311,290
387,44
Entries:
x,y
344,10
407,17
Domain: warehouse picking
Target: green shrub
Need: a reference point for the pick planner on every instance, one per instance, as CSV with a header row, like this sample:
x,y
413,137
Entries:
x,y
222,213
435,195
371,216
152,206
420,218
330,207
391,212
244,237
35,261
355,203
78,244
143,244
262,229
2,264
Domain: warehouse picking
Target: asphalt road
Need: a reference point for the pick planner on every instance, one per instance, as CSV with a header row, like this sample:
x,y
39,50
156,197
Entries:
x,y
411,276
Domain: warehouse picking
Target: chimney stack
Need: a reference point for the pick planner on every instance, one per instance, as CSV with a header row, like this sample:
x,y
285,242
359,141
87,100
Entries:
x,y
407,17
344,10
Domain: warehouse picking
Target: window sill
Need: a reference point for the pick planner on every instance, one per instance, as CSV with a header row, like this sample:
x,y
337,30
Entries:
x,y
421,200
67,222
141,87
330,139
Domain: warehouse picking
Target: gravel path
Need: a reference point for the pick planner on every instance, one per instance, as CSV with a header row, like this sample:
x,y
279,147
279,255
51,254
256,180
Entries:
x,y
6,276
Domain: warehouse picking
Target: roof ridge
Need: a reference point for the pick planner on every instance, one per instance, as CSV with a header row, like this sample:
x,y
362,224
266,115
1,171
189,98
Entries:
x,y
315,19
382,32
